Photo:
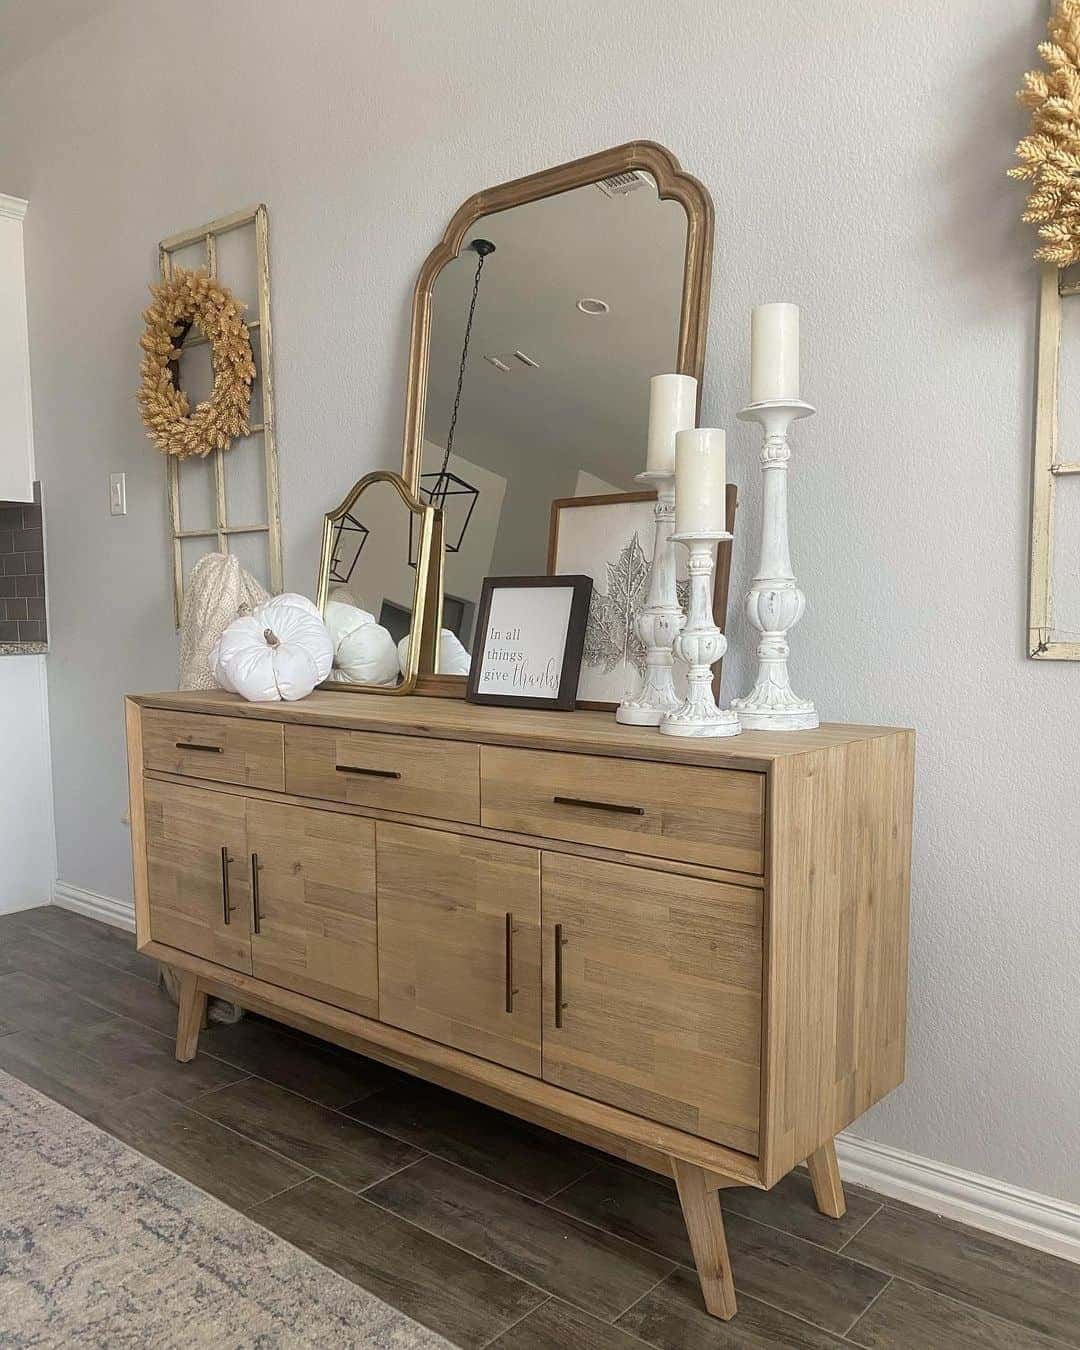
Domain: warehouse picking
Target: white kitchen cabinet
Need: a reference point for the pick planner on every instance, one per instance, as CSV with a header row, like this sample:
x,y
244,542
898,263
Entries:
x,y
16,421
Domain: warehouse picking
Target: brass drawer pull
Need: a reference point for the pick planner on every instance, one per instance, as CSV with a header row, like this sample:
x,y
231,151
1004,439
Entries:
x,y
617,807
225,902
510,990
369,773
560,943
194,745
256,917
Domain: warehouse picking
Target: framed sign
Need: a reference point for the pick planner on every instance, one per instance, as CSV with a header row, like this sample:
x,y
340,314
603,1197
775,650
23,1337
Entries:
x,y
529,637
610,539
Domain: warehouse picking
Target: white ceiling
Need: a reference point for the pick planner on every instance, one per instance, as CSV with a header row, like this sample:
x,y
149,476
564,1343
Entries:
x,y
587,405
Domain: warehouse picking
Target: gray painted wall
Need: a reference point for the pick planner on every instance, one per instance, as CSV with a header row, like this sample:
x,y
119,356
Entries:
x,y
856,155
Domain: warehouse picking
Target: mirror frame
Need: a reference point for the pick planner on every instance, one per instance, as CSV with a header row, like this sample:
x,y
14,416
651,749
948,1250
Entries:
x,y
672,183
427,592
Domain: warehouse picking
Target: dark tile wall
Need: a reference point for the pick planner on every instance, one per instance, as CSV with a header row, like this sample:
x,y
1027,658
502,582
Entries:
x,y
22,571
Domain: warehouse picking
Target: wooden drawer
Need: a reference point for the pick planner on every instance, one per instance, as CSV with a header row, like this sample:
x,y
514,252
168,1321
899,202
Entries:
x,y
715,817
225,749
439,779
652,994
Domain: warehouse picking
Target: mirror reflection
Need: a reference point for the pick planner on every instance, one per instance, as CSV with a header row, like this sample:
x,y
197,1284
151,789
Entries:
x,y
375,568
545,332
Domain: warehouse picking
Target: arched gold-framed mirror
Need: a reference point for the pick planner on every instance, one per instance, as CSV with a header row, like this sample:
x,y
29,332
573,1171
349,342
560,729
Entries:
x,y
379,585
541,374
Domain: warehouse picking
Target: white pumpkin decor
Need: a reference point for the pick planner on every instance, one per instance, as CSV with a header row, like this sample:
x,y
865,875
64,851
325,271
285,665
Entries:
x,y
282,650
453,658
363,650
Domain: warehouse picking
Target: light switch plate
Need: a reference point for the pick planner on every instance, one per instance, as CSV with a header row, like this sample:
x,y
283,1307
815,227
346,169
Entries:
x,y
118,494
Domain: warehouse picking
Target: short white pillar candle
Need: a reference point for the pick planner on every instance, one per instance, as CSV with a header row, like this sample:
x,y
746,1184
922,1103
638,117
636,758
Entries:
x,y
700,480
672,408
774,353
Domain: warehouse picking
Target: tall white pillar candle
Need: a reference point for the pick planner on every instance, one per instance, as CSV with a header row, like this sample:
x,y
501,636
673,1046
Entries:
x,y
700,480
672,408
774,353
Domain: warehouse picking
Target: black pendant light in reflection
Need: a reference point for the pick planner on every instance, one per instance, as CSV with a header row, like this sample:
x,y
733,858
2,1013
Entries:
x,y
448,491
350,536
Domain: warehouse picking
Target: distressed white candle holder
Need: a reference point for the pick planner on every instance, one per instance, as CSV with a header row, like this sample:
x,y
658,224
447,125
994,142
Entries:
x,y
700,644
660,621
775,604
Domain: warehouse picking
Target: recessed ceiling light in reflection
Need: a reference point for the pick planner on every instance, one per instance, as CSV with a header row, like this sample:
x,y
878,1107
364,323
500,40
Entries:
x,y
590,305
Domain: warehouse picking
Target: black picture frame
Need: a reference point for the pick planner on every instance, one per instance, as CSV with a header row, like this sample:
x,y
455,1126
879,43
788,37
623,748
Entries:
x,y
565,700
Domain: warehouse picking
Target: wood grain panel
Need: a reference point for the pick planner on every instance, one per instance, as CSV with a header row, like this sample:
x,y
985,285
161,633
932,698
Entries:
x,y
225,749
444,952
400,773
315,930
646,860
837,942
186,829
715,817
578,732
661,986
649,1143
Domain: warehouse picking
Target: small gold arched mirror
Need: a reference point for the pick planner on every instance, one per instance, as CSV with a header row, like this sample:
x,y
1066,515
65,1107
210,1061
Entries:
x,y
379,585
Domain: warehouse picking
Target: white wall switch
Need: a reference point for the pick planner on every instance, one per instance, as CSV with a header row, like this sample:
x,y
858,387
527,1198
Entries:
x,y
118,494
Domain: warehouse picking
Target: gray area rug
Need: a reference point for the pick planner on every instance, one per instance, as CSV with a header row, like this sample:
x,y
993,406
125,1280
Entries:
x,y
99,1246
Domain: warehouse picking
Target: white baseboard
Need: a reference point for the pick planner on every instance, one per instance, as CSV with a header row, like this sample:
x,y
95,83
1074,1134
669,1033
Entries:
x,y
117,913
994,1206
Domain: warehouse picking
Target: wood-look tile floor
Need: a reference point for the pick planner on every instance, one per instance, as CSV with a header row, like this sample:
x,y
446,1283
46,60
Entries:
x,y
491,1231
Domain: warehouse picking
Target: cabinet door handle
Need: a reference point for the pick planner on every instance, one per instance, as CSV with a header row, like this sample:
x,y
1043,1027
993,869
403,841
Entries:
x,y
226,904
256,917
617,807
560,943
194,745
510,990
368,773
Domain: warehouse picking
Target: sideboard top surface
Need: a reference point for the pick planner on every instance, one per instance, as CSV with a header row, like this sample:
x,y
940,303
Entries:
x,y
581,732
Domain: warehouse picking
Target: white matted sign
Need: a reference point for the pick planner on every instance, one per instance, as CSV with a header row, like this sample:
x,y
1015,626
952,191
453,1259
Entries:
x,y
528,641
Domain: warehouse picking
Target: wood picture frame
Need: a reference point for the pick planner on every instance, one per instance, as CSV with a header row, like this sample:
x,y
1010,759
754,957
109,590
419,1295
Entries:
x,y
1047,641
568,660
722,580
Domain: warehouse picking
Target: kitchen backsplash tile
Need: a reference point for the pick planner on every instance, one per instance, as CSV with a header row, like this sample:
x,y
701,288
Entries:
x,y
22,571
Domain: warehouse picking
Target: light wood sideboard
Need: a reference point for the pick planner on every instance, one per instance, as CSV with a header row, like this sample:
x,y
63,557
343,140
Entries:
x,y
690,954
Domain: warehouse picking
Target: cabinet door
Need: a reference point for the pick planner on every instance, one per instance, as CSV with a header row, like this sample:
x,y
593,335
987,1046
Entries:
x,y
459,942
313,913
652,994
196,852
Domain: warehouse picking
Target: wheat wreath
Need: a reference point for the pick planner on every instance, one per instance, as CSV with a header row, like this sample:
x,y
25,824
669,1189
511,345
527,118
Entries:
x,y
1050,155
190,298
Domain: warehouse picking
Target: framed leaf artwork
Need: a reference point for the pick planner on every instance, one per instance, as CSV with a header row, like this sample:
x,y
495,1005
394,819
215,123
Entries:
x,y
610,539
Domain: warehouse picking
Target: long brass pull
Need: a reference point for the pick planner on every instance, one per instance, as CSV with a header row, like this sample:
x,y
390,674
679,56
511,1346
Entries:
x,y
369,773
617,807
225,861
510,990
560,943
193,745
256,917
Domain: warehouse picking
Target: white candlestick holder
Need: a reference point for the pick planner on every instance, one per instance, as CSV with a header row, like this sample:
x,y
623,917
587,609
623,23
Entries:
x,y
659,623
700,644
775,604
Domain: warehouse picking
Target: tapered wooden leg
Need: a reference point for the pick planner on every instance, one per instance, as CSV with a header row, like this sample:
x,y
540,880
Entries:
x,y
825,1175
700,1202
191,1017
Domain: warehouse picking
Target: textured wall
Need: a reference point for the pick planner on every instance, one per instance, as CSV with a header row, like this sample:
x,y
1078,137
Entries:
x,y
856,154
